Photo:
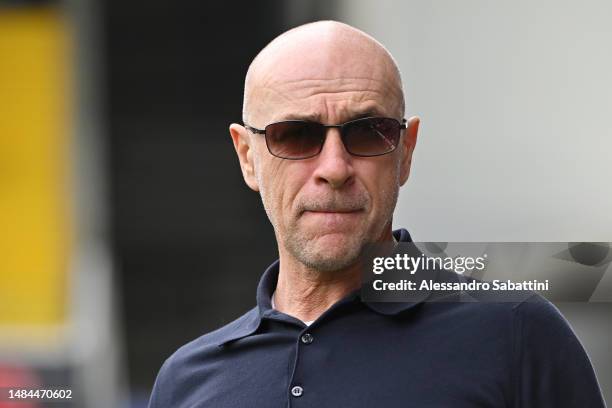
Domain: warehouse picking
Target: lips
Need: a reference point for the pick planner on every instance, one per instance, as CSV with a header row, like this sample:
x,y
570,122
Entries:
x,y
329,207
332,215
332,208
325,220
334,211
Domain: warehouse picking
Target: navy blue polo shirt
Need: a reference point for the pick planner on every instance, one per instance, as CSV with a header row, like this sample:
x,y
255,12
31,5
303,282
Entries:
x,y
385,354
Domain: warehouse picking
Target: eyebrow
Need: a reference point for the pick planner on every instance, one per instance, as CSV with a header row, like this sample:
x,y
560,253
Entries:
x,y
315,117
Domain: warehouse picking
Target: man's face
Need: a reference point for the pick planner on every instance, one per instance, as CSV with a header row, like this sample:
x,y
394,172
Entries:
x,y
326,208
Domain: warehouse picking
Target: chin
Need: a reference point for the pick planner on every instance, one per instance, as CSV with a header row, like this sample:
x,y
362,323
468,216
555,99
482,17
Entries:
x,y
335,243
329,252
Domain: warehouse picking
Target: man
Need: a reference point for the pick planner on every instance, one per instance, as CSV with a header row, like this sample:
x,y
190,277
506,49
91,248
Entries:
x,y
328,192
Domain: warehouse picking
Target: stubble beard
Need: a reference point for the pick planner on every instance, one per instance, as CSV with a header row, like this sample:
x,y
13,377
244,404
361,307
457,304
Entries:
x,y
323,258
327,254
317,256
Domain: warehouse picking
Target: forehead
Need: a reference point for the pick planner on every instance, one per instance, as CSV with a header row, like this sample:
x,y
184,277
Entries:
x,y
325,81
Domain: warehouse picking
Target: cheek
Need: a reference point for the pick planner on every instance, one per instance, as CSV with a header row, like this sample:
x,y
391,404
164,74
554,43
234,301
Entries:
x,y
381,179
280,182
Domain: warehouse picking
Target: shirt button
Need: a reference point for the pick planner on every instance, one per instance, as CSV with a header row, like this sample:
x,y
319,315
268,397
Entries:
x,y
297,391
307,338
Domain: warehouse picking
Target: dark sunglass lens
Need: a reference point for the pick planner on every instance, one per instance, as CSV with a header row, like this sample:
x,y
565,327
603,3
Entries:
x,y
294,139
371,136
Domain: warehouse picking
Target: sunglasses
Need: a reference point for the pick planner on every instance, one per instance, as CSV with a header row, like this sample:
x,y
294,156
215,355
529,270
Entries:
x,y
298,139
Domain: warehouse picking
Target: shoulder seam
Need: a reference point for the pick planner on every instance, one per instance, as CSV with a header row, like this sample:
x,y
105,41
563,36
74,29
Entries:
x,y
522,302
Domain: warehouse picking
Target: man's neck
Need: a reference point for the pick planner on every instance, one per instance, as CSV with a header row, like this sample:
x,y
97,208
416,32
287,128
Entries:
x,y
306,294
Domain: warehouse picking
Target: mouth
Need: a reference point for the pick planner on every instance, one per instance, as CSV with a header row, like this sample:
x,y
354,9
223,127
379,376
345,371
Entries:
x,y
333,211
332,218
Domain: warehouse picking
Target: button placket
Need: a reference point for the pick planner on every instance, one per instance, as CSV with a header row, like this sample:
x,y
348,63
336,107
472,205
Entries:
x,y
304,339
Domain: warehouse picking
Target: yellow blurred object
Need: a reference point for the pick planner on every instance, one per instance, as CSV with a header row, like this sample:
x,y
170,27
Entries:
x,y
35,230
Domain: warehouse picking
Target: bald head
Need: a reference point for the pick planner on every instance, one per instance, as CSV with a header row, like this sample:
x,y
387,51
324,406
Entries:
x,y
321,57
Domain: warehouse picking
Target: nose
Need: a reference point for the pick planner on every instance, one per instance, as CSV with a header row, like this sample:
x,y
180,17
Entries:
x,y
334,163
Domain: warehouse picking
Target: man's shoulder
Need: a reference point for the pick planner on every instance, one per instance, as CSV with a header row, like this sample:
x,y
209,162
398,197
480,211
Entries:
x,y
211,341
522,306
530,314
176,376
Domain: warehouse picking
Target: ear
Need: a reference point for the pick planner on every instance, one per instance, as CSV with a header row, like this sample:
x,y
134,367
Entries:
x,y
245,152
407,146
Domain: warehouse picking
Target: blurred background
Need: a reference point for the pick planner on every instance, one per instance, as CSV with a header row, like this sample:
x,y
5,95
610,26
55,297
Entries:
x,y
127,229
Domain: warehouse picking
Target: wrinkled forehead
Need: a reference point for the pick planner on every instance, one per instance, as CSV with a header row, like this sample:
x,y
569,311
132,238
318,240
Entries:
x,y
324,79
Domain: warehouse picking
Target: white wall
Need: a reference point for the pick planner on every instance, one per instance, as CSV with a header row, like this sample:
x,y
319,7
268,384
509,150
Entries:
x,y
515,99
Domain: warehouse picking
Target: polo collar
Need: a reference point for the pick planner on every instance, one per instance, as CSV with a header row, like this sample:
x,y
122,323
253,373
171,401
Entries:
x,y
395,308
267,284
